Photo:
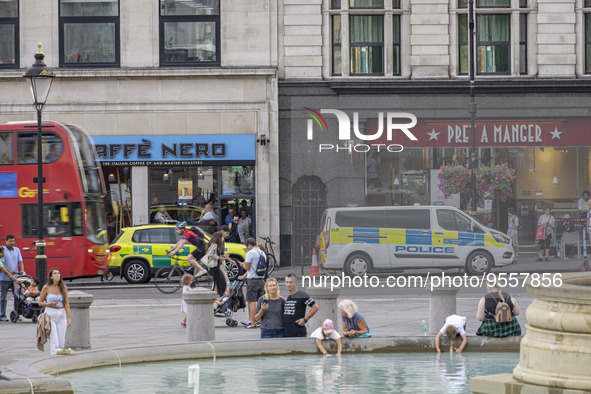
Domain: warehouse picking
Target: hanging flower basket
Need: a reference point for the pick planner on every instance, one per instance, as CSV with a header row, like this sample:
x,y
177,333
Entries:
x,y
496,181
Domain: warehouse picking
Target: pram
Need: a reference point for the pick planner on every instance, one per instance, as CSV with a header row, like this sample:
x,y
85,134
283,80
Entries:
x,y
29,309
231,304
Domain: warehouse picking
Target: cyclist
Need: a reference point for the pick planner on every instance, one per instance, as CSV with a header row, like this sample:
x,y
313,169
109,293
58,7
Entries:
x,y
194,257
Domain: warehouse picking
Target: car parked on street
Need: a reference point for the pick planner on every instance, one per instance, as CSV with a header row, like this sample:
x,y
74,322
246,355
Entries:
x,y
139,251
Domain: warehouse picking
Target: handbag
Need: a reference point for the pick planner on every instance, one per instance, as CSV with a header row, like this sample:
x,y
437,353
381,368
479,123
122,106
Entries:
x,y
207,260
541,233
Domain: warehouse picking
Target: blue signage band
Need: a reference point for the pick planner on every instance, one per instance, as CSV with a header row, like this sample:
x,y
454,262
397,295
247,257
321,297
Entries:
x,y
175,149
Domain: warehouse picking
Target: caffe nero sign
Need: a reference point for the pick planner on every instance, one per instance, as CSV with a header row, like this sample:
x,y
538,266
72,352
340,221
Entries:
x,y
168,150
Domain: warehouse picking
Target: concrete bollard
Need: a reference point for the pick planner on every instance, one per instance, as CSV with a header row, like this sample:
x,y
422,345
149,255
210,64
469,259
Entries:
x,y
78,335
200,319
442,303
327,304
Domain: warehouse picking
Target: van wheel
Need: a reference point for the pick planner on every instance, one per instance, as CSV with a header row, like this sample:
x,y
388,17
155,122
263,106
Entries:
x,y
136,271
479,262
357,265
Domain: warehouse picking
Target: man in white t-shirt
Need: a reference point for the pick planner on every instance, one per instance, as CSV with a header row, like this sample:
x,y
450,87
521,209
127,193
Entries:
x,y
454,325
207,213
255,283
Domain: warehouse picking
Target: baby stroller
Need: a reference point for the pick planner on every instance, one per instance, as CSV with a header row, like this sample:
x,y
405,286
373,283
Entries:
x,y
231,304
28,307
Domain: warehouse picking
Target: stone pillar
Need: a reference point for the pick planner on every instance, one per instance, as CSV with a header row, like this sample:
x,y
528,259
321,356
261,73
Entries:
x,y
327,304
140,198
200,319
78,335
442,303
556,349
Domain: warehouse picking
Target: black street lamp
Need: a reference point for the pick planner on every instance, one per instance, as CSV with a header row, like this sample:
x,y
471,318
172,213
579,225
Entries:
x,y
472,105
40,77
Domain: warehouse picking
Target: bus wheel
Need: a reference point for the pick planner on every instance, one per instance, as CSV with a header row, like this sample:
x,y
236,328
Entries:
x,y
136,271
357,265
479,262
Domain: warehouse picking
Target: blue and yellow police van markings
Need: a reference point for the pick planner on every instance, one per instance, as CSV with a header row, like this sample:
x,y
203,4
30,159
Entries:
x,y
368,235
418,237
344,235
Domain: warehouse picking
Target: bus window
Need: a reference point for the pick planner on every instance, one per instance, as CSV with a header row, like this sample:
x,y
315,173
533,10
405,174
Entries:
x,y
85,155
56,217
95,220
78,228
6,148
57,225
27,147
55,151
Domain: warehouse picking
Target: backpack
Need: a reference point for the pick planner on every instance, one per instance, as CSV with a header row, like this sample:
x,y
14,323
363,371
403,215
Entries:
x,y
261,268
517,225
503,312
197,241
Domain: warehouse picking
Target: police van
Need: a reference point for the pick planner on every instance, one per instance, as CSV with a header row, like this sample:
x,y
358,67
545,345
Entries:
x,y
359,240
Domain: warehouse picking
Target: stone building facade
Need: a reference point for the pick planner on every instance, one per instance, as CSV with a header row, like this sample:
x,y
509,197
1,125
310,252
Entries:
x,y
411,57
157,69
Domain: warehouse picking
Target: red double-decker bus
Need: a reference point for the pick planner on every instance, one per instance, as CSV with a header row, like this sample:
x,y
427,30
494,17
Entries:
x,y
73,193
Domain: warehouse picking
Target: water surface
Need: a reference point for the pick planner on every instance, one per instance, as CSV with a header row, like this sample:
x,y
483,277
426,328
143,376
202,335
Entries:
x,y
352,373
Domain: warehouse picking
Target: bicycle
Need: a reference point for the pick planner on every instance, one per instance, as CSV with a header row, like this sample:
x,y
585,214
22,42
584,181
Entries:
x,y
168,279
271,261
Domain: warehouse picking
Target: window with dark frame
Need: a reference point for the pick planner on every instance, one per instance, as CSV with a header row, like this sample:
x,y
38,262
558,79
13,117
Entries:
x,y
336,45
493,38
9,37
89,33
190,33
493,47
463,48
366,4
366,44
587,33
396,44
523,43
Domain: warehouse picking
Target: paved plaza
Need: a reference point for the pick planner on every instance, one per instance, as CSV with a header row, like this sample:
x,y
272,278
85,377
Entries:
x,y
149,321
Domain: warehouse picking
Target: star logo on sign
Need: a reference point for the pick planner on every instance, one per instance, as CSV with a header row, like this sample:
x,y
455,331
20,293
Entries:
x,y
556,133
433,135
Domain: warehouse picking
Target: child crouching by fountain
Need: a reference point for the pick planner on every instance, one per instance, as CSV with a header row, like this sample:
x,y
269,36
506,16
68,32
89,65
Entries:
x,y
454,325
327,331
